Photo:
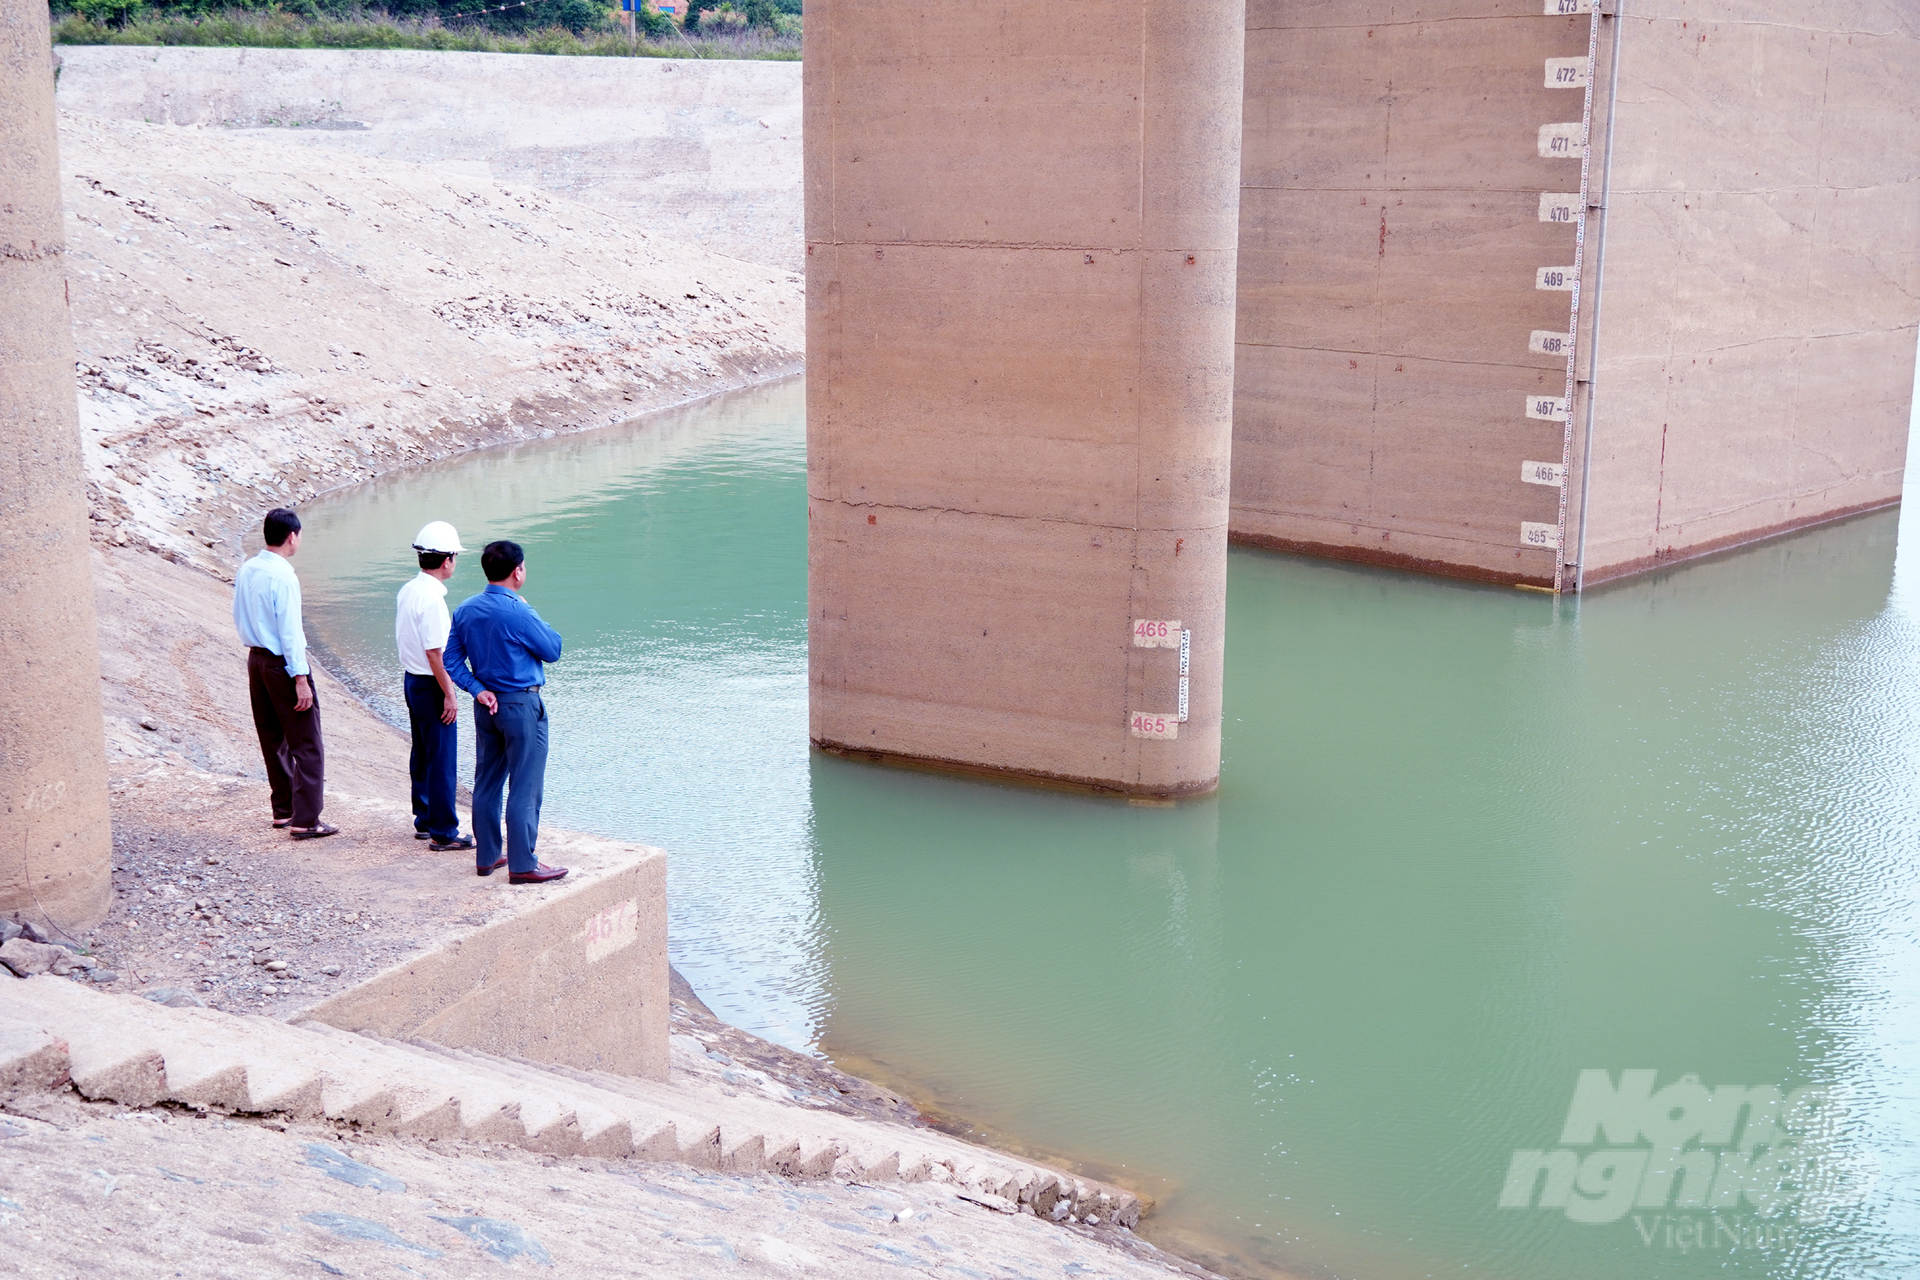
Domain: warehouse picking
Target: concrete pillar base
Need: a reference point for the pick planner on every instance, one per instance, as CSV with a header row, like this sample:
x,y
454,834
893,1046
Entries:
x,y
56,841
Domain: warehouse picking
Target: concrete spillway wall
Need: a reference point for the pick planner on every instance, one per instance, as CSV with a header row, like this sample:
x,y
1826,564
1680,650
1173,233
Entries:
x,y
1413,204
703,152
1019,350
1759,294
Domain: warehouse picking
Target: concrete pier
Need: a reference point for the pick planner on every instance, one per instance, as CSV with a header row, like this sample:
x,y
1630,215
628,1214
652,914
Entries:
x,y
1021,233
1414,199
55,838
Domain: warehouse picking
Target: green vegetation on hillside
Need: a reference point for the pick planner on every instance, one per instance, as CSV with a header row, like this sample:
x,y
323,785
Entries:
x,y
768,29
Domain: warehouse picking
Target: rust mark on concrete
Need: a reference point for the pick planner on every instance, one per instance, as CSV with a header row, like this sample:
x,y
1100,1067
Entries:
x,y
1662,559
1032,778
1382,559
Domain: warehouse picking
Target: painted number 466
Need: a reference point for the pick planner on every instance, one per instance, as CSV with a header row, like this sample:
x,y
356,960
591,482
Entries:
x,y
1153,633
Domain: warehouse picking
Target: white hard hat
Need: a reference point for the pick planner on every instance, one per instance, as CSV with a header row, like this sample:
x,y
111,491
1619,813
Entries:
x,y
438,535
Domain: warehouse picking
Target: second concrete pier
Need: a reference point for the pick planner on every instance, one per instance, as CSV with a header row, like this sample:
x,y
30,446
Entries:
x,y
1020,281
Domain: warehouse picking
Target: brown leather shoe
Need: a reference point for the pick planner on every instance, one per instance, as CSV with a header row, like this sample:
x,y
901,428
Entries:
x,y
540,874
490,869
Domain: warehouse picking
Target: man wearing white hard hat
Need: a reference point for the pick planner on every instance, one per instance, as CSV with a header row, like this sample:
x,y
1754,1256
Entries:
x,y
420,630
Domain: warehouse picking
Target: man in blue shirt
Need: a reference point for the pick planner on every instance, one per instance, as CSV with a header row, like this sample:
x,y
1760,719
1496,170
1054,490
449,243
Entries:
x,y
286,716
495,653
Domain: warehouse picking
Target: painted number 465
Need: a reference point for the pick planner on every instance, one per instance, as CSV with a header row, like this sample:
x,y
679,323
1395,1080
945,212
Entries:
x,y
1151,726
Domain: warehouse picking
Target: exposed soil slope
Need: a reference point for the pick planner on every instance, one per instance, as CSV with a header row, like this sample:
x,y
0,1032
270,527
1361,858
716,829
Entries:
x,y
258,323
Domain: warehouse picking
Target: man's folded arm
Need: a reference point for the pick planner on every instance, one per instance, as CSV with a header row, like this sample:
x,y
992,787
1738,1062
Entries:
x,y
541,640
454,659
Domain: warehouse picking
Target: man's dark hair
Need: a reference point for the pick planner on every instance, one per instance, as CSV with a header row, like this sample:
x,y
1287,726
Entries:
x,y
498,560
280,522
431,560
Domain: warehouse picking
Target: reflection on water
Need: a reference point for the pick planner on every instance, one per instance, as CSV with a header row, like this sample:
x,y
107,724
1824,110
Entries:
x,y
1467,843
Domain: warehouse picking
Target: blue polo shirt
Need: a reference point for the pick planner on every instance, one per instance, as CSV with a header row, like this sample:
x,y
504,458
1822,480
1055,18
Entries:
x,y
502,640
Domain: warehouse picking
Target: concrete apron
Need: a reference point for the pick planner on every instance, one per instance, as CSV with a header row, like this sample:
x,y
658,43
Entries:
x,y
573,974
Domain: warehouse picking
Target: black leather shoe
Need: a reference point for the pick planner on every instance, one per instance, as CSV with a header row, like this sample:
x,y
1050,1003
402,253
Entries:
x,y
540,874
490,869
455,842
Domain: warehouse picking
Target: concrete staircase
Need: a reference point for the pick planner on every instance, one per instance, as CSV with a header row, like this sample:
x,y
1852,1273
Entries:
x,y
138,1053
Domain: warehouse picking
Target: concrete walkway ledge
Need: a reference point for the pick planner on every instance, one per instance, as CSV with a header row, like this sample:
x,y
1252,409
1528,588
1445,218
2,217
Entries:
x,y
573,973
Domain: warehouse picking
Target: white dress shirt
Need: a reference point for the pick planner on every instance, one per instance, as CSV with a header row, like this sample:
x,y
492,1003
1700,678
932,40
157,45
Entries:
x,y
266,609
422,622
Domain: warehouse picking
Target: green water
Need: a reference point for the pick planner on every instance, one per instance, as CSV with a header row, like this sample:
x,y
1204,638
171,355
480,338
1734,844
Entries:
x,y
1467,842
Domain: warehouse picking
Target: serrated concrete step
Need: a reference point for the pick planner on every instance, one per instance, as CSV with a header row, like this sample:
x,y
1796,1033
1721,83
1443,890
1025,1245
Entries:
x,y
139,1053
32,1060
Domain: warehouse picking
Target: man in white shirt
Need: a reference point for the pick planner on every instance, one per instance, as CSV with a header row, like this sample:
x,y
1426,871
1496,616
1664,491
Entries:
x,y
420,628
286,715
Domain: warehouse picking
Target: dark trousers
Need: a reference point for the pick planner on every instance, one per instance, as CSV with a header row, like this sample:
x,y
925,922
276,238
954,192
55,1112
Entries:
x,y
435,761
289,740
509,752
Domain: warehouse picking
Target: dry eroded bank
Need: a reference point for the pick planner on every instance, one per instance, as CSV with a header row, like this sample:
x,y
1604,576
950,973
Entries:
x,y
259,323
704,151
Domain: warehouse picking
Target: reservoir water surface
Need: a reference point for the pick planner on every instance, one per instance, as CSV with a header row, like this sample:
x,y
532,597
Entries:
x,y
1468,842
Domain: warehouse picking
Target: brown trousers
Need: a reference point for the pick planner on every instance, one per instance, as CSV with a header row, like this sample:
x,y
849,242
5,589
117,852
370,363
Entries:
x,y
289,740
